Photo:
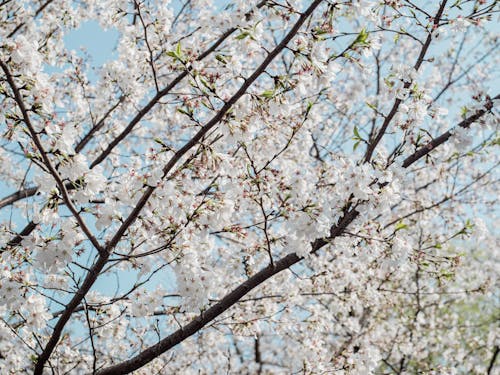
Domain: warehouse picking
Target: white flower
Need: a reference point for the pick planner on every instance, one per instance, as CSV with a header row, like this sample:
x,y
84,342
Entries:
x,y
46,183
155,176
95,181
438,112
105,214
25,54
37,314
192,286
404,72
460,24
67,139
401,249
417,111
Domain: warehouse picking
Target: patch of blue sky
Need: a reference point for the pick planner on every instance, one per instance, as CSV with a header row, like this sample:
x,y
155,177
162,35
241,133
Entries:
x,y
93,41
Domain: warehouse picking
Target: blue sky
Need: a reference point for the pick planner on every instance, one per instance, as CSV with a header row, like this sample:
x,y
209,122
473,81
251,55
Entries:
x,y
99,44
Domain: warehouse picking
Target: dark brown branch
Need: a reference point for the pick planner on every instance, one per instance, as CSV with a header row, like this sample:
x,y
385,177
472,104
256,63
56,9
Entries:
x,y
22,24
373,143
493,360
229,300
46,160
424,150
102,260
159,95
18,195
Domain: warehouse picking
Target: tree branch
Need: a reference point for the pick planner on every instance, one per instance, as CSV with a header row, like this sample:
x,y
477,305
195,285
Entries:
x,y
229,300
424,150
493,360
373,143
161,94
101,262
22,24
34,136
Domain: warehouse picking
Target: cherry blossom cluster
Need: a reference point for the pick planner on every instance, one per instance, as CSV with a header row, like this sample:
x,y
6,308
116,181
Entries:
x,y
264,187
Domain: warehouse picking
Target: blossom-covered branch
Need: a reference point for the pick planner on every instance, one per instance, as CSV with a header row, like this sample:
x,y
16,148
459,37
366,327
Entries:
x,y
246,287
248,186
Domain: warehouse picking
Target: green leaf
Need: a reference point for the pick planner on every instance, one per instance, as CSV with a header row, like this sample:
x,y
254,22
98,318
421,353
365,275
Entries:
x,y
243,35
469,224
372,106
319,31
309,107
160,142
184,112
268,94
362,37
356,145
205,83
400,226
221,58
177,54
356,133
447,275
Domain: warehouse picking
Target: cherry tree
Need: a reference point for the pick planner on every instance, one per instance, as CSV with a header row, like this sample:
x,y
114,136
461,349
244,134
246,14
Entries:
x,y
271,187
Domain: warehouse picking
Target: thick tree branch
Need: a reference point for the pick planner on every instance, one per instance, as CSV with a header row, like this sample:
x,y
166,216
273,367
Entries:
x,y
18,195
160,94
424,150
99,265
232,298
493,360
